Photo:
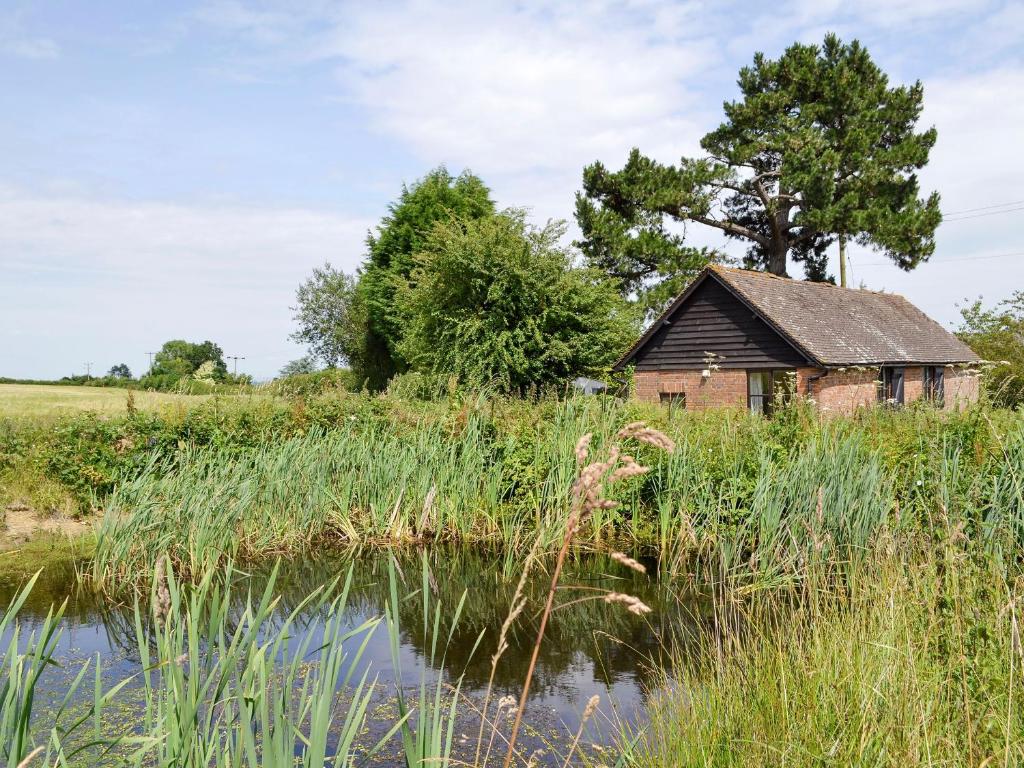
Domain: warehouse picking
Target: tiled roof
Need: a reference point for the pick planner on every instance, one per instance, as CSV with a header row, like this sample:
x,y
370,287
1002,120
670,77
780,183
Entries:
x,y
839,326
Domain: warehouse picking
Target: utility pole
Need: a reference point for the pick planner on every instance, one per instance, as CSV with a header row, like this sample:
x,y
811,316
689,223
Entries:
x,y
151,360
236,358
88,370
842,261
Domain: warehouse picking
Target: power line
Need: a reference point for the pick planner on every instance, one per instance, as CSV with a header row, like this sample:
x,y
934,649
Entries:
x,y
236,358
984,208
947,261
949,217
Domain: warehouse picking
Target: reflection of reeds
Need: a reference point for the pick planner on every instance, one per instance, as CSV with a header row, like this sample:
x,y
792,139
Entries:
x,y
588,496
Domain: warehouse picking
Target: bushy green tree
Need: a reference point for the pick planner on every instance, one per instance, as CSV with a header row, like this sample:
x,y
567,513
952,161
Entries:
x,y
358,320
330,322
437,197
818,149
303,365
181,358
997,335
119,371
494,300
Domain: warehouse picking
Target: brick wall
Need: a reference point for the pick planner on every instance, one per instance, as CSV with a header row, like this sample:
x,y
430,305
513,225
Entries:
x,y
913,384
842,391
963,387
722,389
838,392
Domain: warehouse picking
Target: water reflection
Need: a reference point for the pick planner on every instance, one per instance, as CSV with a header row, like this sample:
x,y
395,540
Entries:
x,y
590,647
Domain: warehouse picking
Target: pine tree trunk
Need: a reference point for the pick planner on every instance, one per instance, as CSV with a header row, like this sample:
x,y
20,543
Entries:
x,y
777,261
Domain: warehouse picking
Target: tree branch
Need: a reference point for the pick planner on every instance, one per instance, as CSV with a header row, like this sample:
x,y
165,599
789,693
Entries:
x,y
732,228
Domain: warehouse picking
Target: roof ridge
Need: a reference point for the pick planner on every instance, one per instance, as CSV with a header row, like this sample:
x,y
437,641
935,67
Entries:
x,y
722,268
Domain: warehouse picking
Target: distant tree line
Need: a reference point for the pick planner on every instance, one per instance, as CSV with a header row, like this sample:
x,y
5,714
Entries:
x,y
179,366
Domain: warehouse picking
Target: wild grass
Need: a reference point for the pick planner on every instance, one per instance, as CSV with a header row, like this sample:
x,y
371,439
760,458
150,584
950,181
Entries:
x,y
740,494
915,661
34,401
866,574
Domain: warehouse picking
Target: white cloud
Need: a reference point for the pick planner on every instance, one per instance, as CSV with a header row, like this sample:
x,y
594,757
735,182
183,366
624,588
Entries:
x,y
15,41
103,279
525,94
31,48
883,12
509,88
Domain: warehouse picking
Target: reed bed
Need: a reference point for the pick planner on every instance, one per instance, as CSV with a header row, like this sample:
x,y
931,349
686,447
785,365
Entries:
x,y
739,495
866,577
916,660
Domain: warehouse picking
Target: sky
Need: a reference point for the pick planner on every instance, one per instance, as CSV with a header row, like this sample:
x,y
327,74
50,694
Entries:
x,y
176,170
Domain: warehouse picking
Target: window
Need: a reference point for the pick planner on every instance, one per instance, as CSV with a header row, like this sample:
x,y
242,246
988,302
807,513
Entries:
x,y
673,400
934,383
892,386
765,389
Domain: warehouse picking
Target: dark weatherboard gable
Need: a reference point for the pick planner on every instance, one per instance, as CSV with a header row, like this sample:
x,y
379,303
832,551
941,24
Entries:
x,y
711,318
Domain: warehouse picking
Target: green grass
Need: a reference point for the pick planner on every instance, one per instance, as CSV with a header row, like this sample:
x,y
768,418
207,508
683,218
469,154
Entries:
x,y
750,496
917,661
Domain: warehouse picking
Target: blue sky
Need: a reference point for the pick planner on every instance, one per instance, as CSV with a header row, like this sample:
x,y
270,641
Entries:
x,y
174,170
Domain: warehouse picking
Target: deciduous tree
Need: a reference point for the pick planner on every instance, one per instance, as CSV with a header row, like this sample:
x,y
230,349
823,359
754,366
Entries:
x,y
997,335
330,321
494,300
436,197
120,371
182,358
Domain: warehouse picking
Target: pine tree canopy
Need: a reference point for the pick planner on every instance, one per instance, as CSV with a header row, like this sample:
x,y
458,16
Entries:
x,y
818,148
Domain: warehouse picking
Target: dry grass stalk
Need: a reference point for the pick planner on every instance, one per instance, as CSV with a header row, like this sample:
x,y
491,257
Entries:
x,y
633,604
629,562
516,607
587,497
30,757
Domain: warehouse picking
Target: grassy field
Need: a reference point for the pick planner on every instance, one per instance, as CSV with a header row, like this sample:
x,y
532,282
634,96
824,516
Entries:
x,y
44,401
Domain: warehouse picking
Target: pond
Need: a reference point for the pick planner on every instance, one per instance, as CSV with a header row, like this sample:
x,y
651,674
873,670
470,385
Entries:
x,y
590,647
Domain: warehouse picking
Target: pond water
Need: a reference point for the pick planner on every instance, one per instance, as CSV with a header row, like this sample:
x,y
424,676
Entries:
x,y
590,648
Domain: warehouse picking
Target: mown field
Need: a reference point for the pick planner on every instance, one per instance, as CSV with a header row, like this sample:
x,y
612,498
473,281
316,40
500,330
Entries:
x,y
865,573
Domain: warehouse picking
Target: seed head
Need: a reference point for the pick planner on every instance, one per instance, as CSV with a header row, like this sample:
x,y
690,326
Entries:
x,y
629,562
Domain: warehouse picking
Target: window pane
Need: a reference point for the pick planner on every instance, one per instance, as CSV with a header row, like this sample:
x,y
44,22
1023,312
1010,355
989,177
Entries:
x,y
934,388
897,385
759,390
892,385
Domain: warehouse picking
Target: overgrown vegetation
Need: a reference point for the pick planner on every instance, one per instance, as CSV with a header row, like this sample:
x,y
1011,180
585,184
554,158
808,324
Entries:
x,y
997,335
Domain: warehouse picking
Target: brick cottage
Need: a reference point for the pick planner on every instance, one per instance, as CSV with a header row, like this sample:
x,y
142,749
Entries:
x,y
739,339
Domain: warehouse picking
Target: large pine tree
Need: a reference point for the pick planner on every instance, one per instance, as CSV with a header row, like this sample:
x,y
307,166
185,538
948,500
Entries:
x,y
820,148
